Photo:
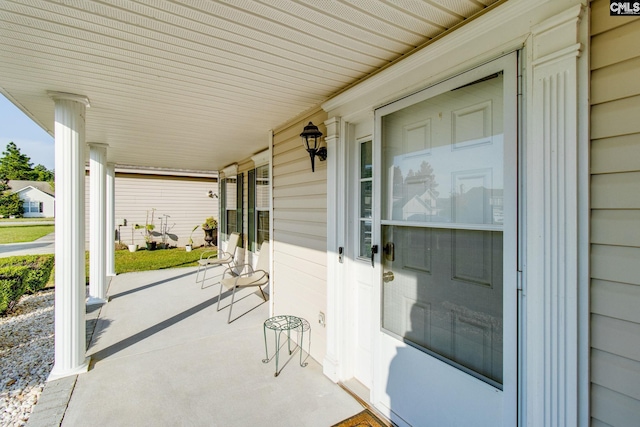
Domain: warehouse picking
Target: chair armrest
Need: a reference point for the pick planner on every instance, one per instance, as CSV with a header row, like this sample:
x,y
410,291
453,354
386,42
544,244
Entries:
x,y
240,267
253,273
204,254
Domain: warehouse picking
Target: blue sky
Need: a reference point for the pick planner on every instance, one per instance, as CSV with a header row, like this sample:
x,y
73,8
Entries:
x,y
26,134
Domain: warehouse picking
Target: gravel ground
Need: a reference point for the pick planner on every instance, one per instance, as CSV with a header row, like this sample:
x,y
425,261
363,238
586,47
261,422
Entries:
x,y
26,356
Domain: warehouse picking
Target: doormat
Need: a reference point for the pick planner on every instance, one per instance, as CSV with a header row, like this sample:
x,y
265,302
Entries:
x,y
365,418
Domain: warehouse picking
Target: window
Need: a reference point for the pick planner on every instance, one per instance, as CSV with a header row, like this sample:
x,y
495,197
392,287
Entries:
x,y
259,203
366,193
33,207
231,205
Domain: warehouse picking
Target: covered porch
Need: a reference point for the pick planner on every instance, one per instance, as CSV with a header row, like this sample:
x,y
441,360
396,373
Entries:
x,y
162,355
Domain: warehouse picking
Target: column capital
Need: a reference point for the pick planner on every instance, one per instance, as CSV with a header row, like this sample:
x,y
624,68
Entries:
x,y
98,145
64,96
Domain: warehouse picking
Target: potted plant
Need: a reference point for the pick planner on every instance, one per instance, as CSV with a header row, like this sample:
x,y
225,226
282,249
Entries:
x,y
209,227
148,237
148,228
133,246
189,246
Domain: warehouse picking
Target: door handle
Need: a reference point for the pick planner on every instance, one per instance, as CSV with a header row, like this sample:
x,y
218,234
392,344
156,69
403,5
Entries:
x,y
388,276
374,251
390,251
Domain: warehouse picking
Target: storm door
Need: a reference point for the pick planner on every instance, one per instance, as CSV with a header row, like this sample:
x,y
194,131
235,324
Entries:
x,y
448,317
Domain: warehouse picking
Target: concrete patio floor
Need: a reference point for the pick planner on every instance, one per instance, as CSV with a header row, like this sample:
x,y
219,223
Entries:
x,y
162,355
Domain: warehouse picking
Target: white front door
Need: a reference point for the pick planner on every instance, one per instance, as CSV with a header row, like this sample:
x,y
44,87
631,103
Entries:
x,y
446,348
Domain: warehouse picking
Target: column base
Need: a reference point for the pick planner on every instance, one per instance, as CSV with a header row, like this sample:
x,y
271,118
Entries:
x,y
57,374
330,368
96,301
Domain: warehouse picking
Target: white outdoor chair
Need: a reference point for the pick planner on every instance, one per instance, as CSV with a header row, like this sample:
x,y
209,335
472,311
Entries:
x,y
253,277
214,258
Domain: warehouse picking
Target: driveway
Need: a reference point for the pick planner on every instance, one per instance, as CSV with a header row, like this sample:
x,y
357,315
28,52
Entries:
x,y
43,245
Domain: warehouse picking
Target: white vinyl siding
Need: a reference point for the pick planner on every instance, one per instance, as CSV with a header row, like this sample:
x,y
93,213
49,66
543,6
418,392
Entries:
x,y
300,230
615,218
184,199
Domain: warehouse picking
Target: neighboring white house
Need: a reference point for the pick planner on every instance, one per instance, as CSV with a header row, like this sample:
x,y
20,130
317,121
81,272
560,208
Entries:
x,y
38,198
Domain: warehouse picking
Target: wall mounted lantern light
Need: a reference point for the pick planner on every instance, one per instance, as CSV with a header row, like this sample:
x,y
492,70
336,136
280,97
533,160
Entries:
x,y
311,139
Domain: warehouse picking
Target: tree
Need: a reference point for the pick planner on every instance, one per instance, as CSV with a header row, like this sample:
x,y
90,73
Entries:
x,y
15,165
41,173
11,204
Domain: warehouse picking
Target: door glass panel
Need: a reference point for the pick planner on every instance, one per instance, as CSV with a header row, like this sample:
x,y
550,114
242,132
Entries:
x,y
443,158
442,227
366,198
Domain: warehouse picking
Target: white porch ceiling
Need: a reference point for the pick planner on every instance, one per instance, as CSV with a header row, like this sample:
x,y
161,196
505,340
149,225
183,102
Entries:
x,y
197,84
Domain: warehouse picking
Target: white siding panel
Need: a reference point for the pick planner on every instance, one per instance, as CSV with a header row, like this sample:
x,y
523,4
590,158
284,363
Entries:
x,y
300,168
604,22
303,295
312,188
613,408
295,179
616,191
615,299
615,118
615,82
618,154
615,227
615,336
299,231
616,45
307,253
598,423
317,201
317,243
311,215
301,228
184,200
616,264
611,371
615,218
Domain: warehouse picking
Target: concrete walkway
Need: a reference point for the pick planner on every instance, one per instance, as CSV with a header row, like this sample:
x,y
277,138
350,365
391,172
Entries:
x,y
163,356
43,245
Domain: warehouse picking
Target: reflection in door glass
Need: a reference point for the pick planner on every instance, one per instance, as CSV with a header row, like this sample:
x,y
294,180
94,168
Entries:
x,y
443,158
446,295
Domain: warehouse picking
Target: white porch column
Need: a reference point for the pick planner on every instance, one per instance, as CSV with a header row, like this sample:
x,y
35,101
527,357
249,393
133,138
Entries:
x,y
98,222
111,221
70,311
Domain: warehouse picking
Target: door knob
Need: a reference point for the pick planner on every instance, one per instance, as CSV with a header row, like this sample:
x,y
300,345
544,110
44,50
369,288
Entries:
x,y
388,276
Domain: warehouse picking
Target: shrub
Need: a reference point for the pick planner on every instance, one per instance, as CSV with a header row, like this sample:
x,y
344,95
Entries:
x,y
12,285
11,204
40,267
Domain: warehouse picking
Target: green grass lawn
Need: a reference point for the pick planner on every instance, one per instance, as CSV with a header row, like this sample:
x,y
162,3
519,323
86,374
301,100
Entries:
x,y
144,260
24,233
